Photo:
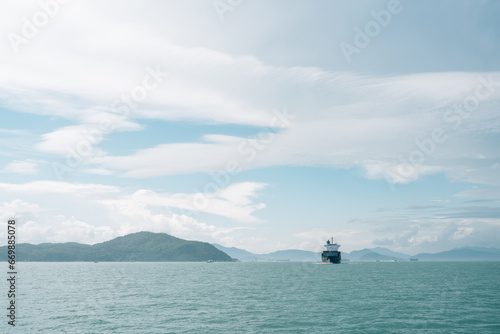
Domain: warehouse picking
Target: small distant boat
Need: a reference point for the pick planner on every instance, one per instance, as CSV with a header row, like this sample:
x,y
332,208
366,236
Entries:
x,y
96,262
414,259
210,261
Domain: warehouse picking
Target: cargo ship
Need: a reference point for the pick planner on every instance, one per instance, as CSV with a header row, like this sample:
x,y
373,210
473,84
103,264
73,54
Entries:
x,y
331,254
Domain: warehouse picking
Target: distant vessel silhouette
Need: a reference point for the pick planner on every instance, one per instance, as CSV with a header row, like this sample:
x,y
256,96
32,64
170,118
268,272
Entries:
x,y
331,254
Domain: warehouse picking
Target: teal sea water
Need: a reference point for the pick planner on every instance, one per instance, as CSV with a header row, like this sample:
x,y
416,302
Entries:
x,y
401,297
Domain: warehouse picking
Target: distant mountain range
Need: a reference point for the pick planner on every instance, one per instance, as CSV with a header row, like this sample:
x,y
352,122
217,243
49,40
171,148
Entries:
x,y
372,254
141,246
284,255
463,254
158,247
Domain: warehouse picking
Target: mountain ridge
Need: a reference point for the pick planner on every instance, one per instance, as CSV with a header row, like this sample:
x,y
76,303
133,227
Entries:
x,y
466,253
162,247
281,255
140,247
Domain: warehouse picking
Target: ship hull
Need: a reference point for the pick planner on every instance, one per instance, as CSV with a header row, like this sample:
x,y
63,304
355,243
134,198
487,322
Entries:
x,y
331,257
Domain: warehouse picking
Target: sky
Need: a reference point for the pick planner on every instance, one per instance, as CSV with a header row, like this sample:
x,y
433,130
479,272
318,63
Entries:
x,y
262,125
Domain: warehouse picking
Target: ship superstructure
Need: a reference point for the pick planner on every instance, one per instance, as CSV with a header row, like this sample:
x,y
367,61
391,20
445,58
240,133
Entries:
x,y
331,254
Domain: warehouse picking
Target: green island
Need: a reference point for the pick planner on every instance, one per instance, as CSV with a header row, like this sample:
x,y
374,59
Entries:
x,y
140,246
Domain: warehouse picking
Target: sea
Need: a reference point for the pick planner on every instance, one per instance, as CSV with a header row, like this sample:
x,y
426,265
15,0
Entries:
x,y
256,297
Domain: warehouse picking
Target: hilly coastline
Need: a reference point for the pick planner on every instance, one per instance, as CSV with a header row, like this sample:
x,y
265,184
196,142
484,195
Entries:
x,y
161,247
367,254
141,246
284,255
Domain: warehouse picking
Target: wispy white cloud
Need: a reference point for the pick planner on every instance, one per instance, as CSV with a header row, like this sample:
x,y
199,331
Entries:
x,y
234,202
484,193
64,229
342,120
44,187
94,212
81,140
22,167
399,173
13,132
97,171
178,158
17,207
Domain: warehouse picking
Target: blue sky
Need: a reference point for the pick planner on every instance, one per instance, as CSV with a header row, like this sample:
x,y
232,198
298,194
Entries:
x,y
254,124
